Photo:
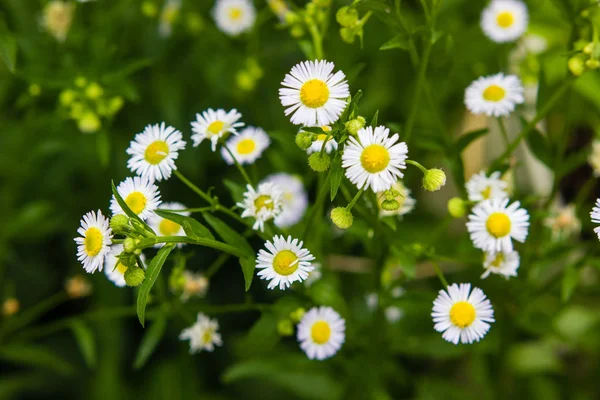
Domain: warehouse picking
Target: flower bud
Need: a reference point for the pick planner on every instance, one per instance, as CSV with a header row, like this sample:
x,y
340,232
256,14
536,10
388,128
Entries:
x,y
576,65
297,31
390,205
319,162
592,64
66,97
80,81
457,207
129,245
589,48
115,104
10,307
297,314
346,16
285,327
35,90
89,122
348,35
77,287
342,217
434,179
134,276
304,139
94,91
354,125
119,224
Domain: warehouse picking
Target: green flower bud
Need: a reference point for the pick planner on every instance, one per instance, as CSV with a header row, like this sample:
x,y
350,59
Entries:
x,y
390,205
297,314
589,48
297,31
245,81
194,23
304,139
457,207
347,16
342,217
285,327
80,81
319,162
119,224
115,104
576,65
434,179
292,18
35,90
149,9
94,91
348,35
134,276
89,122
592,64
356,124
67,97
176,280
129,245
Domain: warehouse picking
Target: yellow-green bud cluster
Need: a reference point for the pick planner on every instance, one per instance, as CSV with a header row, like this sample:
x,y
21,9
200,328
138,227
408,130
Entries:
x,y
587,59
247,78
285,327
352,26
342,217
297,314
319,162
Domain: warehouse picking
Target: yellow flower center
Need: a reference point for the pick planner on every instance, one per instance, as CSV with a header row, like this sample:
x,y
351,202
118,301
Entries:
x,y
121,268
156,152
487,192
498,260
505,19
93,241
263,202
168,227
375,158
494,93
285,262
246,146
321,137
215,127
314,93
235,13
462,314
498,224
136,201
207,337
320,332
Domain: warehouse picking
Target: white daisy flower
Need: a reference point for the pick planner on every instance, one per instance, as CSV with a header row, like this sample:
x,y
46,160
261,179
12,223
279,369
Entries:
x,y
202,335
393,314
374,159
462,314
247,147
317,145
563,221
495,95
294,198
594,157
595,215
140,195
315,275
493,224
504,20
321,332
195,285
57,18
398,292
481,187
262,204
213,125
284,263
234,17
94,243
168,16
314,95
372,300
501,263
407,203
165,227
154,151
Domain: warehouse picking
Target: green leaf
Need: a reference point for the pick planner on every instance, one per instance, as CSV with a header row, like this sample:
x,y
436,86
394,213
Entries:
x,y
151,274
236,190
150,340
191,226
569,283
374,120
539,145
401,41
85,341
35,356
248,266
126,208
337,173
8,47
465,140
103,147
229,235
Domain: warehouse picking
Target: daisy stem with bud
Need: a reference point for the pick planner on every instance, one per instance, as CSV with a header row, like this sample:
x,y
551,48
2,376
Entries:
x,y
239,166
418,165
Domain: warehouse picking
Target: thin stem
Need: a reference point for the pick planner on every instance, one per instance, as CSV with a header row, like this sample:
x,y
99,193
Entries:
x,y
194,188
418,165
149,242
420,81
439,273
216,265
503,130
190,210
239,166
317,40
358,194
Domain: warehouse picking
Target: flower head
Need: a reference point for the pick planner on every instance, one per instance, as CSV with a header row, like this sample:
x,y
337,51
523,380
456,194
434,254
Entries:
x,y
214,125
495,95
94,241
57,19
494,223
263,204
374,160
140,195
313,94
501,263
154,151
202,335
284,262
195,284
321,332
78,286
234,17
504,20
247,147
563,221
113,268
294,199
481,187
461,314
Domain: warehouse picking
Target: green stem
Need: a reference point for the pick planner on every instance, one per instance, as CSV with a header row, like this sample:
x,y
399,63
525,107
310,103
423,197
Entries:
x,y
358,194
503,130
194,188
418,165
239,166
149,242
216,265
317,40
420,81
440,273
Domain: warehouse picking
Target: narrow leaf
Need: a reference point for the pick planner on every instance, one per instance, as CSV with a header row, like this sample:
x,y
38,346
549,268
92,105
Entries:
x,y
86,342
539,145
465,140
400,41
569,283
374,120
150,341
248,265
126,208
191,226
35,356
151,274
337,173
229,235
8,48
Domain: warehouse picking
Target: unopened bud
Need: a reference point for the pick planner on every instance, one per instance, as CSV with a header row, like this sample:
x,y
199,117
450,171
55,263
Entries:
x,y
390,205
134,276
297,31
457,207
589,48
119,224
347,16
434,179
576,65
297,314
348,35
342,217
285,327
67,97
129,245
304,139
89,122
356,124
10,307
592,64
94,91
319,162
